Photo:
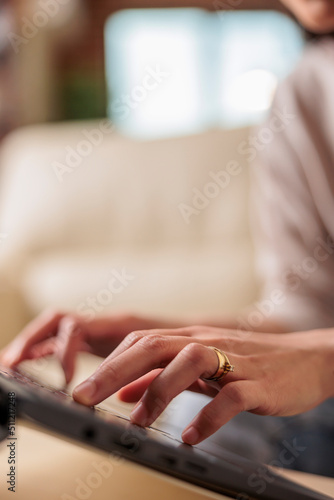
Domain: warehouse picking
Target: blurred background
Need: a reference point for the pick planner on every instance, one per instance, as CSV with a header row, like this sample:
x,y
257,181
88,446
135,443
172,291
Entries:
x,y
69,59
127,133
117,120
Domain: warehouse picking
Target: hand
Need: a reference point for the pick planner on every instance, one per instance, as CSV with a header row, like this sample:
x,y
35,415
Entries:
x,y
275,374
65,334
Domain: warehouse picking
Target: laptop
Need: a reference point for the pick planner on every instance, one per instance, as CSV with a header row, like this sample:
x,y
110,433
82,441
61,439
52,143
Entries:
x,y
206,465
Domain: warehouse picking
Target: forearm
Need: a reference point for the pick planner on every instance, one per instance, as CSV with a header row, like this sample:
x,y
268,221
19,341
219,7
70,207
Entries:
x,y
241,321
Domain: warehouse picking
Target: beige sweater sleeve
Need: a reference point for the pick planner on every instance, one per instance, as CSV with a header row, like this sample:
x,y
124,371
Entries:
x,y
293,195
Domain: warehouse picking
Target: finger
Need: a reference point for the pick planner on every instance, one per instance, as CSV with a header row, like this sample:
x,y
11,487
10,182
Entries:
x,y
69,343
132,338
38,330
45,348
201,387
132,392
192,362
233,399
149,353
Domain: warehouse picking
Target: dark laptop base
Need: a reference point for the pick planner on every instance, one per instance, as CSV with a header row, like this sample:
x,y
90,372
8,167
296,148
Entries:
x,y
205,465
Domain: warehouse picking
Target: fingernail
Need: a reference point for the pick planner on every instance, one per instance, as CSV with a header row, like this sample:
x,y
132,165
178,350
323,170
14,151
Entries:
x,y
139,415
191,435
84,392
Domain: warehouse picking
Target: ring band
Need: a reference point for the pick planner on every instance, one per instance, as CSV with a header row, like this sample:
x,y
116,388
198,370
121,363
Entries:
x,y
224,365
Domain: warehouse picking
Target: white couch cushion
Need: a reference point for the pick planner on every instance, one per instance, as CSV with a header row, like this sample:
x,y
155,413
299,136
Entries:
x,y
123,193
166,281
124,205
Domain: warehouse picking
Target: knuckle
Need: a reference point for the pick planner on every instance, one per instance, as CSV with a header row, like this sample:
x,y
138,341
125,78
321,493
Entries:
x,y
132,338
194,353
109,371
153,342
47,316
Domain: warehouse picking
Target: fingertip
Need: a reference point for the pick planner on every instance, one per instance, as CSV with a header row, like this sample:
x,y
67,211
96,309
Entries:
x,y
191,435
10,360
140,415
122,397
68,370
85,392
131,393
128,396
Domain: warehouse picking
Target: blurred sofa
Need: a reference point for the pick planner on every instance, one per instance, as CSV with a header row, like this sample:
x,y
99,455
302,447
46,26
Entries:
x,y
93,221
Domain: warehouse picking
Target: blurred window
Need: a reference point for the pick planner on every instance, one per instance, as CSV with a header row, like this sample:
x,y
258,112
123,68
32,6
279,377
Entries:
x,y
180,71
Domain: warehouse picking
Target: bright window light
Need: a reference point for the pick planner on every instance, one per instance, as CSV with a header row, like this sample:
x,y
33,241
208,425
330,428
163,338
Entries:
x,y
154,71
180,71
255,48
252,91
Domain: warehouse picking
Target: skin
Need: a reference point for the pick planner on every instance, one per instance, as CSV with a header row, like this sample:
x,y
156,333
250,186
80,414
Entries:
x,y
150,361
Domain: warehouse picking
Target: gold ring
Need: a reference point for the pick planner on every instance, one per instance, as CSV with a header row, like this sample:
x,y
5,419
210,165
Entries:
x,y
224,365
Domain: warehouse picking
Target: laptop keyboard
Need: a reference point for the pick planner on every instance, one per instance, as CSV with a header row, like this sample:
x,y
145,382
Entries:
x,y
28,380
